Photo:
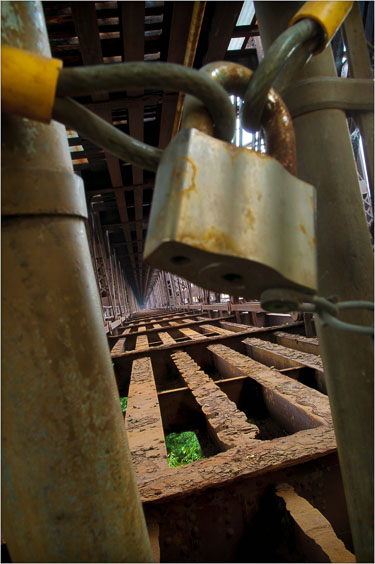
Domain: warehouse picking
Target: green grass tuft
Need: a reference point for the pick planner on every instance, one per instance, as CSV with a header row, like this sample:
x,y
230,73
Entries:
x,y
183,448
124,403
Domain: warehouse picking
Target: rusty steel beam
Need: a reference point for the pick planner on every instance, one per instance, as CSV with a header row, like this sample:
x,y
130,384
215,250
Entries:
x,y
143,422
298,342
178,37
67,474
325,546
132,16
86,26
191,48
228,424
114,170
292,404
222,25
281,357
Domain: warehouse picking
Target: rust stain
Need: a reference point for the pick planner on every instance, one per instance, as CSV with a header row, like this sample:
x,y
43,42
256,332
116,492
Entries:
x,y
313,240
184,175
214,240
250,217
302,228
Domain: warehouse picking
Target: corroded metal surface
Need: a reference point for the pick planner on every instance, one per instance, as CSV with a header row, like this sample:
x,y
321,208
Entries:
x,y
276,119
166,338
238,462
67,474
315,526
119,347
299,342
278,356
303,405
302,358
143,421
250,460
188,332
228,423
220,330
141,343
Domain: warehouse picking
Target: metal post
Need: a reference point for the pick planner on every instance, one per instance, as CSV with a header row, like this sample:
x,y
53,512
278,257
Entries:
x,y
345,266
359,67
69,489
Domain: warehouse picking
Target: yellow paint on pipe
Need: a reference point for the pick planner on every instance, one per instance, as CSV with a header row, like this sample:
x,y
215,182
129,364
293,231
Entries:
x,y
28,83
329,15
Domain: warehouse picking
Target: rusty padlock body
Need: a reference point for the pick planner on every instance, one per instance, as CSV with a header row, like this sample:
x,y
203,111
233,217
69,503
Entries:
x,y
230,219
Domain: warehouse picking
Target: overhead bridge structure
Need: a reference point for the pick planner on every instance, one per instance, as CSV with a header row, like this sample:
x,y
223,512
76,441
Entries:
x,y
144,417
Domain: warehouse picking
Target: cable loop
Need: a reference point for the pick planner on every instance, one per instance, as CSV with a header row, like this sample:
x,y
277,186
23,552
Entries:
x,y
83,81
284,300
277,59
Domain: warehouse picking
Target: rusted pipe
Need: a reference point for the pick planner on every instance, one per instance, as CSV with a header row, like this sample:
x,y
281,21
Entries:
x,y
69,490
276,119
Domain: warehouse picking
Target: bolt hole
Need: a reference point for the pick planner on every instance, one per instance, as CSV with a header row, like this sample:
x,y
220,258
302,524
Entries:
x,y
230,277
180,260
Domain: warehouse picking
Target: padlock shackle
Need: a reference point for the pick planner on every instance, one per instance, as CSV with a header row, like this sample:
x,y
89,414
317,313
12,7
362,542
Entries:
x,y
276,120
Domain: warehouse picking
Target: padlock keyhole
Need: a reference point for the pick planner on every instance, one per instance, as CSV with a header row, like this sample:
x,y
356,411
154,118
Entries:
x,y
180,260
230,277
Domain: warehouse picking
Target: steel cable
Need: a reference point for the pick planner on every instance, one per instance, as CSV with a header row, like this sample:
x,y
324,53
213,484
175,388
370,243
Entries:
x,y
104,135
279,54
120,77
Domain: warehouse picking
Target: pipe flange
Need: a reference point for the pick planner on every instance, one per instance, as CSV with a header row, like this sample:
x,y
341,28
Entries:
x,y
32,191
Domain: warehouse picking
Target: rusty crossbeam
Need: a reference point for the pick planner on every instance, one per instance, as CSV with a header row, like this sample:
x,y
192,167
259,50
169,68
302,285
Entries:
x,y
226,422
281,357
298,342
143,421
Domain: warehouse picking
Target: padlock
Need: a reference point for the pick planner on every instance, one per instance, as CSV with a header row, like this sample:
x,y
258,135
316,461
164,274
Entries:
x,y
228,218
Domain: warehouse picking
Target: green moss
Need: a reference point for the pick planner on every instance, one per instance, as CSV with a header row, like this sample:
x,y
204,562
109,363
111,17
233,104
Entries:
x,y
182,448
